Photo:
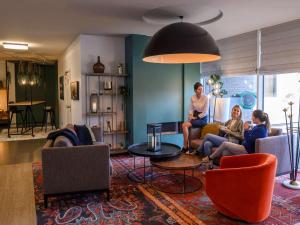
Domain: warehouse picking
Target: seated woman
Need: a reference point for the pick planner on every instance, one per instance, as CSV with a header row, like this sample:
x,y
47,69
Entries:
x,y
261,119
232,132
197,114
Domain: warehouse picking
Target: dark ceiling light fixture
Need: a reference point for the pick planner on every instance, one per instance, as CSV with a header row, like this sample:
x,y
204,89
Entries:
x,y
179,43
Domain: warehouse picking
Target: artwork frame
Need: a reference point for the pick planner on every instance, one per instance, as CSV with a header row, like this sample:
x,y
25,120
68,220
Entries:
x,y
75,90
61,88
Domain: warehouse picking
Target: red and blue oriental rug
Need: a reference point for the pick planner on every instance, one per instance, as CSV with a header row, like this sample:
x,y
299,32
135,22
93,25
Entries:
x,y
135,203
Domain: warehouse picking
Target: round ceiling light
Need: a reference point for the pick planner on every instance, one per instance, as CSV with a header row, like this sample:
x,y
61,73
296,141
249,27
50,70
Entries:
x,y
196,13
179,43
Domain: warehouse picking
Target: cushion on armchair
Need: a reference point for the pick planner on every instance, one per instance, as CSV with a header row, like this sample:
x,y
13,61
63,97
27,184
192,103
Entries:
x,y
197,139
211,128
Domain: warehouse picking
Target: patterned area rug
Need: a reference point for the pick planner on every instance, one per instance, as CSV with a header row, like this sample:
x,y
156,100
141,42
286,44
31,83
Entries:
x,y
134,203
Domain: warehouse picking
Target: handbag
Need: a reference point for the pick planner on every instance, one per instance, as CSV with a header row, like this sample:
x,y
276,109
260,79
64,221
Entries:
x,y
196,114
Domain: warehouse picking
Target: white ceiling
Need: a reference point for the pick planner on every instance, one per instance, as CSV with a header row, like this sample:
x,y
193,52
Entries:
x,y
50,26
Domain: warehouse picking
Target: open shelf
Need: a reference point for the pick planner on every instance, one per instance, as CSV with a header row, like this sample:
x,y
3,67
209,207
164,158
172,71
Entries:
x,y
100,113
115,132
109,98
106,75
108,93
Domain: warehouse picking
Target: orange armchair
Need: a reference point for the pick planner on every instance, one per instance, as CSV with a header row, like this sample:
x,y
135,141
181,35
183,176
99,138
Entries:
x,y
243,186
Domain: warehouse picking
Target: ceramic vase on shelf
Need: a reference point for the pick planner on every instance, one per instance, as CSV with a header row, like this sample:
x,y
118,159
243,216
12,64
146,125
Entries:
x,y
98,67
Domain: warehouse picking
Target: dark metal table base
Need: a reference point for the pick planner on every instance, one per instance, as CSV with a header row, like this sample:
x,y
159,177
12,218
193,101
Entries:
x,y
176,183
133,174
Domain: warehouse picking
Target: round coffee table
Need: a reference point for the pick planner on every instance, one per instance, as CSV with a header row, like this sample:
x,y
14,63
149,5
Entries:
x,y
176,183
167,151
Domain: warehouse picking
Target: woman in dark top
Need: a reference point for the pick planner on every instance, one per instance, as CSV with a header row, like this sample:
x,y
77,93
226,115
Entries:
x,y
261,130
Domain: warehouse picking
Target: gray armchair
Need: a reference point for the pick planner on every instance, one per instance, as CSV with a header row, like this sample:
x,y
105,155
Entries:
x,y
75,169
278,146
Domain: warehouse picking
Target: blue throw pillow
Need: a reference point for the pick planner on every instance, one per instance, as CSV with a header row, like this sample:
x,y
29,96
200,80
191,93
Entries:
x,y
83,134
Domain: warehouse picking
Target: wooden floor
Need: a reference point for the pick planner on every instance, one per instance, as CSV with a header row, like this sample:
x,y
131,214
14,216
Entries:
x,y
17,205
27,151
16,195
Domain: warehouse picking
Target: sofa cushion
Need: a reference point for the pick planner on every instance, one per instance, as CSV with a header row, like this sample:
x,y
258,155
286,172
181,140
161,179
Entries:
x,y
92,134
83,134
211,128
275,132
66,132
62,141
97,133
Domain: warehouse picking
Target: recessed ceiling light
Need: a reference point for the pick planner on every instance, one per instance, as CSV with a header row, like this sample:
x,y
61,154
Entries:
x,y
16,46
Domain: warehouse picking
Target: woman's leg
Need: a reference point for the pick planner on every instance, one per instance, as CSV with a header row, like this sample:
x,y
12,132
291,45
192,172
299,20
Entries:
x,y
215,140
233,151
208,145
228,148
185,130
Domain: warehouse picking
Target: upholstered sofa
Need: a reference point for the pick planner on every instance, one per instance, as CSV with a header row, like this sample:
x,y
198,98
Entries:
x,y
75,168
276,143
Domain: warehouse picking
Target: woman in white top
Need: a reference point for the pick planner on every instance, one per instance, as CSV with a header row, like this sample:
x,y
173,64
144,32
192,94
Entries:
x,y
197,113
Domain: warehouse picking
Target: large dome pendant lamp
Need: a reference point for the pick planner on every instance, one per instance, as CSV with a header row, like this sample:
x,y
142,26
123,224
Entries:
x,y
179,43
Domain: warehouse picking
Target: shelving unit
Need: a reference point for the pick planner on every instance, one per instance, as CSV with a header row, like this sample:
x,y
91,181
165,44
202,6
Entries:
x,y
111,107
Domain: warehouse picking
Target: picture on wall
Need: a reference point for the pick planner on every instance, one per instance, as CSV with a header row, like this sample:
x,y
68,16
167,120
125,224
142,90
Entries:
x,y
61,87
75,90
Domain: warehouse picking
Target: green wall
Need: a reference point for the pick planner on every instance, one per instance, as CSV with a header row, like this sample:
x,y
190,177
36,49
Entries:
x,y
157,92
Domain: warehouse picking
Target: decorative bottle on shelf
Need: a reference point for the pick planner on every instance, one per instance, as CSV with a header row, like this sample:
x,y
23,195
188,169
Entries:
x,y
98,67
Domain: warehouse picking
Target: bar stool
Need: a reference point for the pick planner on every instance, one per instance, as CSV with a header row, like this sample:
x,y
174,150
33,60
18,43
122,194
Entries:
x,y
48,111
14,110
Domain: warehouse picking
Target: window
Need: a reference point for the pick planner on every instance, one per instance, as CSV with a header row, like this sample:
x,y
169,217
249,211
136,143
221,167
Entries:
x,y
236,86
277,93
270,86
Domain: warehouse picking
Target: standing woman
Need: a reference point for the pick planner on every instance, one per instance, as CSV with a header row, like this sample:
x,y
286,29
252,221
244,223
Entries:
x,y
197,113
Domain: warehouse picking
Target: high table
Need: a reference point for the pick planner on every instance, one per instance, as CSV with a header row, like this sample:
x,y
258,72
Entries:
x,y
28,113
167,151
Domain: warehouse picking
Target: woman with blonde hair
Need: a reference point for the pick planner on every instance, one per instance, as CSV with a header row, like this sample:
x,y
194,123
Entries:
x,y
231,132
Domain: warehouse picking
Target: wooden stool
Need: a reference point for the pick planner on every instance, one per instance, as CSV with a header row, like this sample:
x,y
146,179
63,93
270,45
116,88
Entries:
x,y
14,110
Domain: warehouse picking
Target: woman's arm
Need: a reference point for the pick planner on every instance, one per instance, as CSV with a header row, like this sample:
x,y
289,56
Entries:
x,y
251,135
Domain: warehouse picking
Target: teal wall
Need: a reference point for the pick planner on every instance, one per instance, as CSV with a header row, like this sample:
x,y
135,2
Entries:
x,y
157,92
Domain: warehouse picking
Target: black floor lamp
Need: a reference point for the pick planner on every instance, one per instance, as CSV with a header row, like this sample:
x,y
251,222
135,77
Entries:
x,y
293,134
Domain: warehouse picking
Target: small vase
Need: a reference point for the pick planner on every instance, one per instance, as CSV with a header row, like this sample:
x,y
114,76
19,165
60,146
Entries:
x,y
98,67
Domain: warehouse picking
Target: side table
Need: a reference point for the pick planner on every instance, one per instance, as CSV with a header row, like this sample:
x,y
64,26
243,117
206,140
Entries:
x,y
177,183
167,151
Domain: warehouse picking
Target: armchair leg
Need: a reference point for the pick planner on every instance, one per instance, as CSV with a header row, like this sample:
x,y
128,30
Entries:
x,y
107,195
45,201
